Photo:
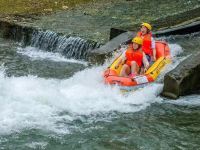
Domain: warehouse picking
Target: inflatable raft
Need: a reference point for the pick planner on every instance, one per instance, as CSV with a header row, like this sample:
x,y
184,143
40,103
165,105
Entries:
x,y
111,75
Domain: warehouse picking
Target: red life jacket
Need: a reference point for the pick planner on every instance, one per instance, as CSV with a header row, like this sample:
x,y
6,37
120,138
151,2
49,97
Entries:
x,y
146,46
133,55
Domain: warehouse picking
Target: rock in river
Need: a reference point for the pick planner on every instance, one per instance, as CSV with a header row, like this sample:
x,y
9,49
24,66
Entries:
x,y
184,79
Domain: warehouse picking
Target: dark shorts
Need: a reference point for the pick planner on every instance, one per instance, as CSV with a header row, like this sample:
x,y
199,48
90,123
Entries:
x,y
149,60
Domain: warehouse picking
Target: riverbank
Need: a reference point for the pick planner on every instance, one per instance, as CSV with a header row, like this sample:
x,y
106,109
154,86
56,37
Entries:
x,y
28,11
38,7
93,19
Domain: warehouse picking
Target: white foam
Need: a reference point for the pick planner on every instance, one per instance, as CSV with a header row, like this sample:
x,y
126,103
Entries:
x,y
37,145
50,104
36,54
193,100
175,49
31,102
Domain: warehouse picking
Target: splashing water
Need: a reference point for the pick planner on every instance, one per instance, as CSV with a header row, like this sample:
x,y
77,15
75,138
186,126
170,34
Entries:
x,y
37,54
31,102
193,100
175,50
51,104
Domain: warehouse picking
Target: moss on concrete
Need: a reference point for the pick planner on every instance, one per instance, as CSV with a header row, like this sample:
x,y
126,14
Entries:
x,y
93,19
23,7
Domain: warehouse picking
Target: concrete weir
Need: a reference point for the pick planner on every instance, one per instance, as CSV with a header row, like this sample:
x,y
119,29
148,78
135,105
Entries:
x,y
69,46
184,79
16,32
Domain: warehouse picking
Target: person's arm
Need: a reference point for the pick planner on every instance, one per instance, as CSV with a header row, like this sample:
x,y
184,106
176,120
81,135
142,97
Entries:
x,y
153,46
145,62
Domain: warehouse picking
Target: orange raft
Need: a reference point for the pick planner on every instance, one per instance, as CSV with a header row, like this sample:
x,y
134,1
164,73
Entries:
x,y
111,75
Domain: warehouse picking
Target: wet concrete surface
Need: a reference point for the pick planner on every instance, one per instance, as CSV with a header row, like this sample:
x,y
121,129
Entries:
x,y
93,20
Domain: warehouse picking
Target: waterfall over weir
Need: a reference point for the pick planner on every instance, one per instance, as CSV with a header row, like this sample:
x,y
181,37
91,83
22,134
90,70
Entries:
x,y
71,47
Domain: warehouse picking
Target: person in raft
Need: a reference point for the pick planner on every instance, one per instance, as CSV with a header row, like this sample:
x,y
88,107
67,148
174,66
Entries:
x,y
132,59
149,46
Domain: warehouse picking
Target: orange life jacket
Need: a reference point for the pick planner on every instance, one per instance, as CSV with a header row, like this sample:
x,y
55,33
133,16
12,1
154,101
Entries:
x,y
146,46
133,55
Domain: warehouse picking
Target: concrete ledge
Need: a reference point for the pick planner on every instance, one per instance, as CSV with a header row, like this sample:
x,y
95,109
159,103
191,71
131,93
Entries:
x,y
114,32
177,30
16,32
181,30
184,79
100,54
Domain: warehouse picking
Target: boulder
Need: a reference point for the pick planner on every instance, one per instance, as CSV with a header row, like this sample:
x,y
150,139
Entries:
x,y
184,79
100,54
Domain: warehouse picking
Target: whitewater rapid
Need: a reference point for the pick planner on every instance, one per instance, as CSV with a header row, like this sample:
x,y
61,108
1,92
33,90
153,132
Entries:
x,y
30,102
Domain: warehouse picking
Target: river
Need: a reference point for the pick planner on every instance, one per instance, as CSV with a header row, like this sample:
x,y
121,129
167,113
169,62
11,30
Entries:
x,y
49,101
